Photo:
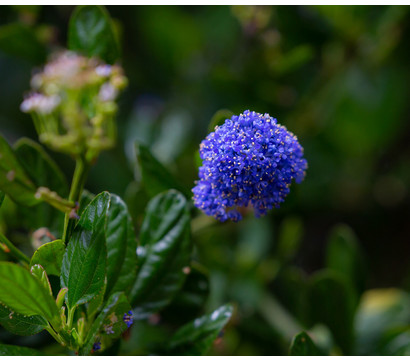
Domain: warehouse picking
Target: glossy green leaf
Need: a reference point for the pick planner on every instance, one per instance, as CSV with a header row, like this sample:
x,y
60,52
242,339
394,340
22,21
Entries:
x,y
84,263
23,293
13,179
50,257
109,320
91,32
197,337
344,256
331,302
121,247
219,119
163,253
20,324
85,199
302,345
12,350
155,176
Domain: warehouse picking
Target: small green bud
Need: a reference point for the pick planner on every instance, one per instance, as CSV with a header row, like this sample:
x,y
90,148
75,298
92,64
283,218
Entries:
x,y
61,297
81,328
62,315
54,199
38,272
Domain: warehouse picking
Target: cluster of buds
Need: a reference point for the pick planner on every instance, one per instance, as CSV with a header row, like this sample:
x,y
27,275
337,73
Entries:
x,y
73,104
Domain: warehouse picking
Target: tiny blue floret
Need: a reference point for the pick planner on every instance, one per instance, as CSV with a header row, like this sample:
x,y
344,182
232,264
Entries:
x,y
97,346
250,160
128,318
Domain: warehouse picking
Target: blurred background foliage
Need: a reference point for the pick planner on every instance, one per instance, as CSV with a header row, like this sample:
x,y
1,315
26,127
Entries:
x,y
334,259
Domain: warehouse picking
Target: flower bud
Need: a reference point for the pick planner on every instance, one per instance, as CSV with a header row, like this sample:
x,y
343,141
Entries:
x,y
69,94
61,297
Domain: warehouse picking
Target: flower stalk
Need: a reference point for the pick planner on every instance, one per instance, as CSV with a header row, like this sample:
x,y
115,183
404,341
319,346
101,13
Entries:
x,y
7,246
80,175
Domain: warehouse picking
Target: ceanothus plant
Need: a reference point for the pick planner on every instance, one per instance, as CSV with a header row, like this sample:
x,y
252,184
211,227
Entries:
x,y
106,279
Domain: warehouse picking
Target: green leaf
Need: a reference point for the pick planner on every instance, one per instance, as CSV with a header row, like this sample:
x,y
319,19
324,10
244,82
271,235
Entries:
x,y
91,32
302,345
20,324
84,263
111,319
196,337
96,302
331,302
43,171
13,180
121,247
396,343
190,300
344,256
155,176
40,167
380,312
12,350
164,251
219,119
23,293
85,199
50,257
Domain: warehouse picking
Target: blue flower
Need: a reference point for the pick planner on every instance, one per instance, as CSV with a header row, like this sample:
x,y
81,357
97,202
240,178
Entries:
x,y
128,318
97,346
250,160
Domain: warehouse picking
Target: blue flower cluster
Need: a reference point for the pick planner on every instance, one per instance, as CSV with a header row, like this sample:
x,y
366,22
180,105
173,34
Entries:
x,y
249,160
97,346
128,319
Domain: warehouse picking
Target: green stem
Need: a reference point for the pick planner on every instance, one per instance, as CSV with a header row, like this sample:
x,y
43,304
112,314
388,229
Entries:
x,y
278,317
55,335
54,199
7,246
79,177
